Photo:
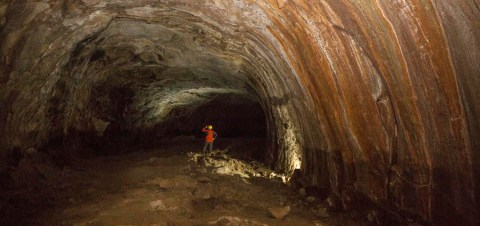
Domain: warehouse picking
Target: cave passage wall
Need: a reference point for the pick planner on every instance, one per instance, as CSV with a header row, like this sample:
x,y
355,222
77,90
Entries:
x,y
369,98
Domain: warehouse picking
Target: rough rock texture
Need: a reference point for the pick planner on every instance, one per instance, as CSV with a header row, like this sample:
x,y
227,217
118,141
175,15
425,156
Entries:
x,y
279,212
368,97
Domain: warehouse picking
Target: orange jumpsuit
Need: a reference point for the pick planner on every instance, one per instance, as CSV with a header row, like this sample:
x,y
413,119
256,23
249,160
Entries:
x,y
211,135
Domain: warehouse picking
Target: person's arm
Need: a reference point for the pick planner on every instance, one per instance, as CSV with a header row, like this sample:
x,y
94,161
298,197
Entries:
x,y
204,129
215,135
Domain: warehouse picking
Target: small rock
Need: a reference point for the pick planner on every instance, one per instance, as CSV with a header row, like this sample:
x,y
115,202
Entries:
x,y
72,201
322,212
184,212
311,199
152,160
158,205
201,194
334,203
91,2
217,35
262,172
226,221
279,212
245,181
30,151
188,215
35,156
231,221
302,191
372,216
204,179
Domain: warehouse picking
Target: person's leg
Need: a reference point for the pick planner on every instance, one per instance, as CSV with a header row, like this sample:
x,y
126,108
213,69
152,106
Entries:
x,y
204,148
211,147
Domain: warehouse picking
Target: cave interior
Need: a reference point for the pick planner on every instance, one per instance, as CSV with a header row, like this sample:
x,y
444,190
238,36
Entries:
x,y
373,103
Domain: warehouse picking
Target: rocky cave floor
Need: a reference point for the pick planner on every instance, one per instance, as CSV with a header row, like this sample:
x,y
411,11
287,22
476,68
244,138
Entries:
x,y
170,185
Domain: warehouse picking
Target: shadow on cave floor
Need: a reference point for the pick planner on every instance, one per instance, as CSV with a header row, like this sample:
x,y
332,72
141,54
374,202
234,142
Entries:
x,y
173,184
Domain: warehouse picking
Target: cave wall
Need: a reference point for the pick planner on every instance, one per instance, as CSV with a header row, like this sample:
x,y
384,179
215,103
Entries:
x,y
378,98
395,118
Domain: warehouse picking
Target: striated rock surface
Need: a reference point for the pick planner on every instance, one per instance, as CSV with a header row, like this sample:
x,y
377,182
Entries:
x,y
374,98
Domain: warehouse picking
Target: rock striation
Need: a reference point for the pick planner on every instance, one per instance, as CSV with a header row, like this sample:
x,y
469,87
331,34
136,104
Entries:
x,y
373,98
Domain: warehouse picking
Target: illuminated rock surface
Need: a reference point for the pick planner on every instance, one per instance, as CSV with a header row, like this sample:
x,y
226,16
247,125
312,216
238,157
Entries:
x,y
373,100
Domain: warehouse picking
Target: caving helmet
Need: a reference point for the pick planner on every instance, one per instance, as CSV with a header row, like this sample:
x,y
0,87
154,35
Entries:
x,y
209,127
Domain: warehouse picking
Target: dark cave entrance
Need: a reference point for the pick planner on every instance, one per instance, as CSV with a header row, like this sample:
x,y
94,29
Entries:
x,y
124,90
239,120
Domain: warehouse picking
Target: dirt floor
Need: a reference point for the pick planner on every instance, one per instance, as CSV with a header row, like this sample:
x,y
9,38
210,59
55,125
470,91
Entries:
x,y
170,185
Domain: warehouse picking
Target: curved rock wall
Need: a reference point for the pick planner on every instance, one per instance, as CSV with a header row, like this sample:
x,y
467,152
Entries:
x,y
369,98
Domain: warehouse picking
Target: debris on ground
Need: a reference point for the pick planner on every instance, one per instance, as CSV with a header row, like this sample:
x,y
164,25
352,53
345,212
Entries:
x,y
234,221
310,199
279,212
221,163
302,191
162,187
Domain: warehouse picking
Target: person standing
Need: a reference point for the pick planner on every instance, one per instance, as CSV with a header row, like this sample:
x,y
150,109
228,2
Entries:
x,y
210,136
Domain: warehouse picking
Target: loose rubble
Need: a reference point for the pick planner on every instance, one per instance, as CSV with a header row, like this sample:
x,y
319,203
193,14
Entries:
x,y
279,212
165,189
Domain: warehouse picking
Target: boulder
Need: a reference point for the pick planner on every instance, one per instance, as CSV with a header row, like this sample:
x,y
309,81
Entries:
x,y
278,212
302,191
311,199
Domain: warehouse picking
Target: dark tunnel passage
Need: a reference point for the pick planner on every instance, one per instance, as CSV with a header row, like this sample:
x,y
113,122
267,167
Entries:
x,y
367,110
138,84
